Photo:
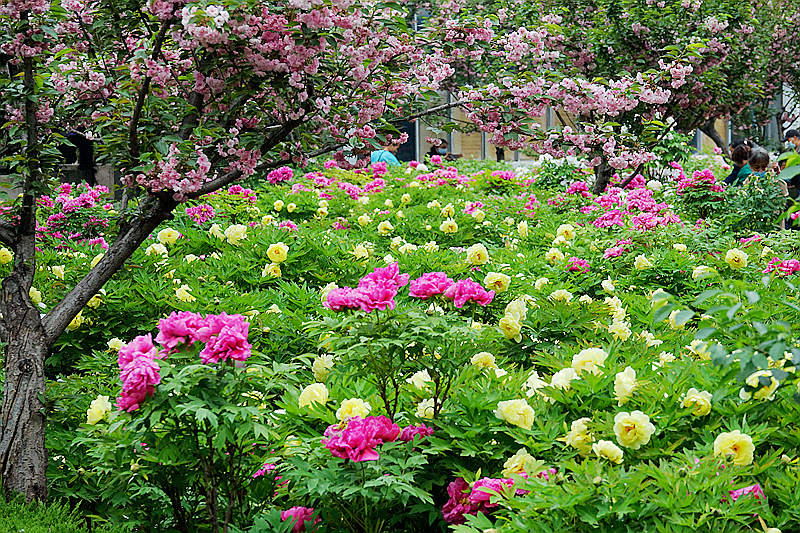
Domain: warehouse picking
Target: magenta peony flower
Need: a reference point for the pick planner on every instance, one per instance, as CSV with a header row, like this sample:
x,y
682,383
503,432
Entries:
x,y
141,346
139,378
298,515
359,437
458,505
429,284
409,432
478,496
226,338
755,490
341,298
465,290
178,328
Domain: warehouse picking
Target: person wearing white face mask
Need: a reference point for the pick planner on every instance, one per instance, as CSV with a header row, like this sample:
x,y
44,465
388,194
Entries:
x,y
793,137
442,150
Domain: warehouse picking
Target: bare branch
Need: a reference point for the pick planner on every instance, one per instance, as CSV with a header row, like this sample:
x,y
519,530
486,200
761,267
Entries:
x,y
7,233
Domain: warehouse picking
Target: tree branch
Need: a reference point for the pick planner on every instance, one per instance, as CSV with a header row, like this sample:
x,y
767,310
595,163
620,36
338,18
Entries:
x,y
152,212
7,233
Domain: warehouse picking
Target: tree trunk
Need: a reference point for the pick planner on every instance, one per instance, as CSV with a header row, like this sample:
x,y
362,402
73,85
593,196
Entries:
x,y
709,129
602,176
23,459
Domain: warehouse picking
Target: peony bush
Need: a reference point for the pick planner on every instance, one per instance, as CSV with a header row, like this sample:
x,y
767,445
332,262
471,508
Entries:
x,y
421,349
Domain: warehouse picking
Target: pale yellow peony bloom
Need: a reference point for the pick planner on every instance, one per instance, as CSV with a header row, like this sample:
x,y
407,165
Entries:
x,y
156,249
517,308
425,409
96,259
561,295
272,270
59,270
291,207
420,379
353,407
633,429
702,271
763,392
364,220
518,463
735,445
624,385
607,285
672,323
477,254
620,330
563,378
516,412
539,283
448,211
483,360
6,256
76,322
579,436
35,295
95,301
497,281
115,344
589,360
277,252
605,449
642,263
448,226
553,255
585,299
406,198
236,233
698,401
278,205
168,236
511,328
321,366
679,247
98,410
216,231
736,258
385,228
183,294
700,349
314,393
522,229
567,231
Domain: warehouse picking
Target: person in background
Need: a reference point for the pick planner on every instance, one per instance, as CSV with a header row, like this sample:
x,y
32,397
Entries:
x,y
385,155
442,150
758,162
740,153
793,137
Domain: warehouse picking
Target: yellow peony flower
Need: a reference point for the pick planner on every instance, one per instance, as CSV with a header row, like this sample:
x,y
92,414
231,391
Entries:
x,y
633,429
278,205
272,270
95,301
511,328
522,229
566,231
561,295
277,252
115,344
156,249
385,228
702,271
266,220
76,322
672,323
620,330
448,211
763,392
608,285
425,409
518,463
589,360
98,410
642,263
579,436
6,256
183,294
314,393
479,216
700,349
553,255
698,401
236,233
216,231
483,360
563,378
736,446
448,226
605,449
518,309
624,385
322,366
58,271
364,220
291,207
323,294
168,236
516,412
539,283
497,281
353,407
585,299
35,295
406,198
679,247
736,258
96,260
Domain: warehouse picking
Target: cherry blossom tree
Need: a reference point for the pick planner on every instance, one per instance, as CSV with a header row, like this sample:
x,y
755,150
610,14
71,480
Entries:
x,y
189,96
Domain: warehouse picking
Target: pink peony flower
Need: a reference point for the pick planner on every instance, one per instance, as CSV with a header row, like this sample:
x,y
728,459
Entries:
x,y
141,346
755,490
465,290
429,284
139,378
479,496
359,437
178,328
299,515
459,503
409,432
225,337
